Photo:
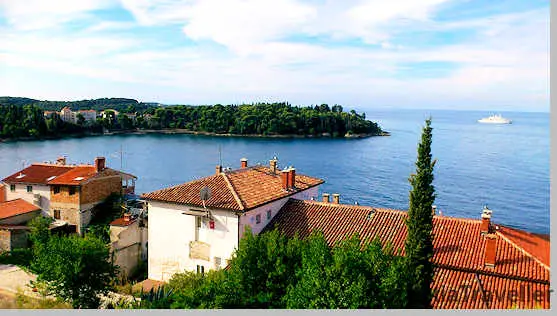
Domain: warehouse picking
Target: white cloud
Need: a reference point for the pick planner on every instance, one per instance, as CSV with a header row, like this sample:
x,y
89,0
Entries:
x,y
38,14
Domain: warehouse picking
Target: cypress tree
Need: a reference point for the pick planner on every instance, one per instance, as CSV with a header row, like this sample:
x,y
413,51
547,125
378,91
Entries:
x,y
419,241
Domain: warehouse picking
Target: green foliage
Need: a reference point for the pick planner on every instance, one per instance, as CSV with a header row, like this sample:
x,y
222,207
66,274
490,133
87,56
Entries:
x,y
419,241
19,120
39,232
75,269
19,257
272,271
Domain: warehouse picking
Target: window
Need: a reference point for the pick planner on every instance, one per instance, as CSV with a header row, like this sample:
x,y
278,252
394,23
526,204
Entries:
x,y
29,188
218,262
200,269
56,189
57,214
269,215
72,190
258,218
12,187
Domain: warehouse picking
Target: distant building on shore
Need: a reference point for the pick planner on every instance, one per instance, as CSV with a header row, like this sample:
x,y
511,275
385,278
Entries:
x,y
67,115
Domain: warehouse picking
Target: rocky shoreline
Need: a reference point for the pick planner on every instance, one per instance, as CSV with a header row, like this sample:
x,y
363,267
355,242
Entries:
x,y
184,131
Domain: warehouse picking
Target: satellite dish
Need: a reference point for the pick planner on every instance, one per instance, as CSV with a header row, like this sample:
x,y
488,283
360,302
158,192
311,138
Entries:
x,y
205,193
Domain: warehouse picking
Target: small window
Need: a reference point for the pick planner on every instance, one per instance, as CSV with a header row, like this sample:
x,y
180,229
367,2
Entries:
x,y
57,214
12,187
269,215
72,190
29,188
200,269
258,218
56,189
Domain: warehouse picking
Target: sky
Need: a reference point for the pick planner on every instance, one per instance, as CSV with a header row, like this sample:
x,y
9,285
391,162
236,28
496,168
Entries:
x,y
365,54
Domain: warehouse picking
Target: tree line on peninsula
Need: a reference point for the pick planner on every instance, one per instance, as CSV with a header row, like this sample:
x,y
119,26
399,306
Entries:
x,y
24,118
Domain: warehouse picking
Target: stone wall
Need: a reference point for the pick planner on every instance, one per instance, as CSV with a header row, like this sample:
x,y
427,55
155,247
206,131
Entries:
x,y
5,240
13,238
97,190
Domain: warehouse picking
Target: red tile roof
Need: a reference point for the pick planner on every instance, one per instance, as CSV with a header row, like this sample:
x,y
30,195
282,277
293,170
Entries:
x,y
16,207
239,190
37,174
75,176
48,174
121,222
458,244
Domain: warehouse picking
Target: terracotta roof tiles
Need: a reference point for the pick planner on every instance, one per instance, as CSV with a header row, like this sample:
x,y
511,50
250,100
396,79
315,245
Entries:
x,y
239,190
16,207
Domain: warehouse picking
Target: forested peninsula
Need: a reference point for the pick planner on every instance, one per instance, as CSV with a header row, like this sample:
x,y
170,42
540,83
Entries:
x,y
24,118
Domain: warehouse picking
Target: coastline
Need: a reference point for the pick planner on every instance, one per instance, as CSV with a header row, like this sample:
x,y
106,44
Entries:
x,y
189,132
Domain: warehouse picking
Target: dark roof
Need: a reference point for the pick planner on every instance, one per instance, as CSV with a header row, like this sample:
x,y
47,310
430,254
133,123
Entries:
x,y
239,190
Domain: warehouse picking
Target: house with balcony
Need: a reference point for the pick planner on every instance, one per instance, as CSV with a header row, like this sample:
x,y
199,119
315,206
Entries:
x,y
197,225
68,193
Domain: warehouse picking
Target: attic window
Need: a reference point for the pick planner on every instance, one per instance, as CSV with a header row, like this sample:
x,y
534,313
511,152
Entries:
x,y
50,178
78,178
21,175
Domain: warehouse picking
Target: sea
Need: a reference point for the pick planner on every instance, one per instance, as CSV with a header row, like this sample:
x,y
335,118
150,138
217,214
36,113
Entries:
x,y
505,167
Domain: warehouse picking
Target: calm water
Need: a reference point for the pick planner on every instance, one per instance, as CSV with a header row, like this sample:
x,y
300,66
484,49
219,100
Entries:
x,y
506,166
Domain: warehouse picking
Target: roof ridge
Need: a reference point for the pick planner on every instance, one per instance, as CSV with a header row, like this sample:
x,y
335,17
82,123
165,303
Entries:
x,y
233,191
522,250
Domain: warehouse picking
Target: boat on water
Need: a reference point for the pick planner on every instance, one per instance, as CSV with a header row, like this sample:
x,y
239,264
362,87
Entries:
x,y
495,119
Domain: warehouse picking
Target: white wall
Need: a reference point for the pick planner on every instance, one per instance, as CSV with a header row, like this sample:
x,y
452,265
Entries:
x,y
249,218
21,193
170,233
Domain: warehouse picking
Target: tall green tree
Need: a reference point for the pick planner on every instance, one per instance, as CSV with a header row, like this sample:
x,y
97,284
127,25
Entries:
x,y
419,241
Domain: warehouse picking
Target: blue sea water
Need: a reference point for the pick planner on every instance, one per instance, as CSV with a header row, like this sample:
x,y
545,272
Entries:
x,y
503,166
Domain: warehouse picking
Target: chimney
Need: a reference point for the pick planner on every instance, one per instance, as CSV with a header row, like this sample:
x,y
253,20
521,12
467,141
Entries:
x,y
127,217
61,161
284,178
100,163
2,193
291,178
244,162
486,221
336,198
273,165
433,210
326,197
218,169
490,250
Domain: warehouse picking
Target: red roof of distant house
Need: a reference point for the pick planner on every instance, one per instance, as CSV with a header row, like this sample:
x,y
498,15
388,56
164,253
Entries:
x,y
16,207
240,190
87,111
49,174
458,245
37,174
122,222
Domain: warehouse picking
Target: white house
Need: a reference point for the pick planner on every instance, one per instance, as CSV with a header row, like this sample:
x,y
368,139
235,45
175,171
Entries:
x,y
88,115
188,233
67,115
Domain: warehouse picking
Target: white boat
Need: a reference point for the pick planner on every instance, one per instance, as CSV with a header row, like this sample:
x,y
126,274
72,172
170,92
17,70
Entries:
x,y
495,119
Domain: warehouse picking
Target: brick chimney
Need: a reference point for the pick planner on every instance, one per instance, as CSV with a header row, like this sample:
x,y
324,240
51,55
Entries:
x,y
273,165
218,169
244,163
291,178
326,197
486,221
433,210
336,198
284,178
61,161
490,250
2,193
100,163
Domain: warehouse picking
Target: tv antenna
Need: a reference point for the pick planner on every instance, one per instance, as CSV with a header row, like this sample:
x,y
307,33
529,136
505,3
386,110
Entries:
x,y
220,155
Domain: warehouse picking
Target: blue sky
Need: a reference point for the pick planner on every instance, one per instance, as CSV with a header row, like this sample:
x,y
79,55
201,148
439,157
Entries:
x,y
445,54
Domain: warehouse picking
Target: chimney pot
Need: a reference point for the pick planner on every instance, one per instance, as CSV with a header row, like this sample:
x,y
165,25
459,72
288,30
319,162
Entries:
x,y
486,221
284,178
326,197
490,250
273,165
218,169
291,178
61,161
336,198
100,163
244,162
